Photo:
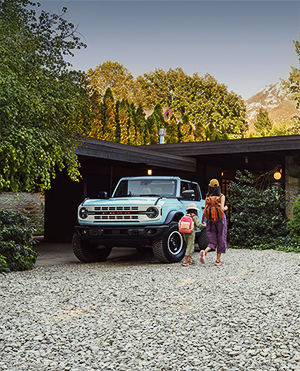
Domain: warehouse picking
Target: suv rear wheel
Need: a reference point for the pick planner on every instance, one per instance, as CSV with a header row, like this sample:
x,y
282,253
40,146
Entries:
x,y
171,248
87,252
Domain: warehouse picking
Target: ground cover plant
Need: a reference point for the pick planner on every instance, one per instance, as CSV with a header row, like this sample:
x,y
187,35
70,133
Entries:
x,y
17,251
258,219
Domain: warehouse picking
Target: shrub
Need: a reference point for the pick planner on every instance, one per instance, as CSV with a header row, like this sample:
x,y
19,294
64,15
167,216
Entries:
x,y
258,218
17,251
294,225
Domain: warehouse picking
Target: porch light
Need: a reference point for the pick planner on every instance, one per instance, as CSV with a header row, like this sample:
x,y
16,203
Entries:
x,y
149,172
277,175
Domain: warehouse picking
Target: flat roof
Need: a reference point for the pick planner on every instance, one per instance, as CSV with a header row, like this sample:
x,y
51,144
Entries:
x,y
101,149
286,143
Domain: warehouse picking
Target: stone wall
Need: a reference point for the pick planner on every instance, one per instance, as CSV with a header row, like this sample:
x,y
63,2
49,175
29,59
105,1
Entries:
x,y
292,182
31,204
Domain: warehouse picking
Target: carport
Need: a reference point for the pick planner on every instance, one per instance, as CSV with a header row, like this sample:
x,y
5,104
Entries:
x,y
102,165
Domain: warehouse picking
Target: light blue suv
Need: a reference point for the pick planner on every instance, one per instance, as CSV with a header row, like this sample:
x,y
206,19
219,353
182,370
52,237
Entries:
x,y
142,212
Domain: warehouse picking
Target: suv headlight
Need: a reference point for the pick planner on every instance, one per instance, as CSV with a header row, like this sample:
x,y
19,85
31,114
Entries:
x,y
152,212
83,213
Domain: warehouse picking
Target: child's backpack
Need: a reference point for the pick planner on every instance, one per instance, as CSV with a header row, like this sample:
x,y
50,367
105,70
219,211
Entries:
x,y
186,224
213,211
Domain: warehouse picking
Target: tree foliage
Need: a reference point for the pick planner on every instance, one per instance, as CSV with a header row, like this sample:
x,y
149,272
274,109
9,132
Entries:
x,y
294,225
263,124
44,105
202,99
115,76
293,82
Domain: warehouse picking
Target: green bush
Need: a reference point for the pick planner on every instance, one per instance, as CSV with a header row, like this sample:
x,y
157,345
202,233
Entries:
x,y
294,225
258,220
17,251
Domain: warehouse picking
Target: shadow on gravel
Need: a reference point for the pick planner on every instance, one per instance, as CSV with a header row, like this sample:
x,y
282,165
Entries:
x,y
62,253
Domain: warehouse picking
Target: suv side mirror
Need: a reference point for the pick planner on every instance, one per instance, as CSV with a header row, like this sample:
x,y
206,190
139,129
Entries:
x,y
102,194
188,195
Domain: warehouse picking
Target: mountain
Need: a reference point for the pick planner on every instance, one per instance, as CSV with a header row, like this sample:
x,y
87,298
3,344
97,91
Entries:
x,y
276,101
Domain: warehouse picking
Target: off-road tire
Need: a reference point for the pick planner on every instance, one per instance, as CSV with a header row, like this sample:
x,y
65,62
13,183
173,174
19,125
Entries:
x,y
88,253
171,248
202,240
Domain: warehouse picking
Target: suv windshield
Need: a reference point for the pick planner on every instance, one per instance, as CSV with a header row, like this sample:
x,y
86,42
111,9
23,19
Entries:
x,y
146,187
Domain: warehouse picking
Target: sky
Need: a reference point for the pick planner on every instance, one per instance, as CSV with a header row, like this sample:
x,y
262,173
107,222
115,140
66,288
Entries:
x,y
245,45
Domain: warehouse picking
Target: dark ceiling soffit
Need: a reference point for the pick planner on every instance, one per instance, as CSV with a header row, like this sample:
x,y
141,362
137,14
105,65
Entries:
x,y
233,146
97,148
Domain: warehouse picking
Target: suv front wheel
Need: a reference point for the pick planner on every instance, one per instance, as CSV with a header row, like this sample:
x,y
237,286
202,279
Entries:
x,y
88,253
171,248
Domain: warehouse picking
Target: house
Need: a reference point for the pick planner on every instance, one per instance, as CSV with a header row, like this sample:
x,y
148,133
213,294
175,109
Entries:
x,y
104,163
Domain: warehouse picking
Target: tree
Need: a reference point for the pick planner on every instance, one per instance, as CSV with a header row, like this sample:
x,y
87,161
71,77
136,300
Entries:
x,y
141,126
96,120
122,121
115,76
293,82
155,121
202,99
186,130
108,117
44,106
171,130
263,124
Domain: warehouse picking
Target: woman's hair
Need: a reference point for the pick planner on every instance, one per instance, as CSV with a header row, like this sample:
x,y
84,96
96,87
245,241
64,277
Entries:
x,y
192,211
213,191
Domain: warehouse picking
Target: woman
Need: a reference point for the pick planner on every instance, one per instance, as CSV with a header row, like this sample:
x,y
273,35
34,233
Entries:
x,y
217,225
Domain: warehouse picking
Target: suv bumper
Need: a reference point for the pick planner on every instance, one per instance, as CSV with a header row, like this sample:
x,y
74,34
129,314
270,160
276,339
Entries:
x,y
125,236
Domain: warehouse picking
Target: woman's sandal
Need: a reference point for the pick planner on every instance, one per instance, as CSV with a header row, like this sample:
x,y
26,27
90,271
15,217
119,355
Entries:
x,y
192,261
186,264
219,263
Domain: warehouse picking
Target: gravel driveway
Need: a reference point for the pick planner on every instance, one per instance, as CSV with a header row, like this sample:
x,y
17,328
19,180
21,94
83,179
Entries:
x,y
137,314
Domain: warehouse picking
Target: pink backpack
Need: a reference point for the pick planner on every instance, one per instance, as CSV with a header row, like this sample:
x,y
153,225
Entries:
x,y
186,224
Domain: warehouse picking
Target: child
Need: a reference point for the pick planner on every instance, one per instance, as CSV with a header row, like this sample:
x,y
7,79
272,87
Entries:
x,y
216,230
190,238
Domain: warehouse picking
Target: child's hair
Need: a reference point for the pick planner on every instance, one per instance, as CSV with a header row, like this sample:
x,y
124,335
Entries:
x,y
192,211
213,191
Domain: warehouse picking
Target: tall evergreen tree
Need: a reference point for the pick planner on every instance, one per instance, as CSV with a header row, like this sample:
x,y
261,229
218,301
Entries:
x,y
108,117
131,125
171,130
263,124
186,130
155,122
123,118
141,125
96,119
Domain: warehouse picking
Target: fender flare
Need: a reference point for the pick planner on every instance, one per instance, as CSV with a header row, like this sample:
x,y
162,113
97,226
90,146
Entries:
x,y
173,216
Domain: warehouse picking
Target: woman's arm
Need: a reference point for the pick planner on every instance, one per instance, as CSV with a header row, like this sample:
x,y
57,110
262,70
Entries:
x,y
224,208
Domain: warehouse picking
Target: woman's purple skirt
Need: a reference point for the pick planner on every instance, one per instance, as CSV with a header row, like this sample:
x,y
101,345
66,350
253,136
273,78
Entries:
x,y
217,235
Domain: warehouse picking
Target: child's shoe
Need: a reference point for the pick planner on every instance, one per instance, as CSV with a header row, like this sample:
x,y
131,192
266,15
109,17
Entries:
x,y
202,257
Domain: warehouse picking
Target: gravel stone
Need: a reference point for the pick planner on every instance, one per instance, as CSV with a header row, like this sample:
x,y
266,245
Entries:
x,y
142,315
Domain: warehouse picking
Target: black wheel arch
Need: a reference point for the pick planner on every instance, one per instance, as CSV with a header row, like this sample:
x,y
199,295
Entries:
x,y
173,216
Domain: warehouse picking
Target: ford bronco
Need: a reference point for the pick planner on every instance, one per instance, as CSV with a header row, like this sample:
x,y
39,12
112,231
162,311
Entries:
x,y
142,212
